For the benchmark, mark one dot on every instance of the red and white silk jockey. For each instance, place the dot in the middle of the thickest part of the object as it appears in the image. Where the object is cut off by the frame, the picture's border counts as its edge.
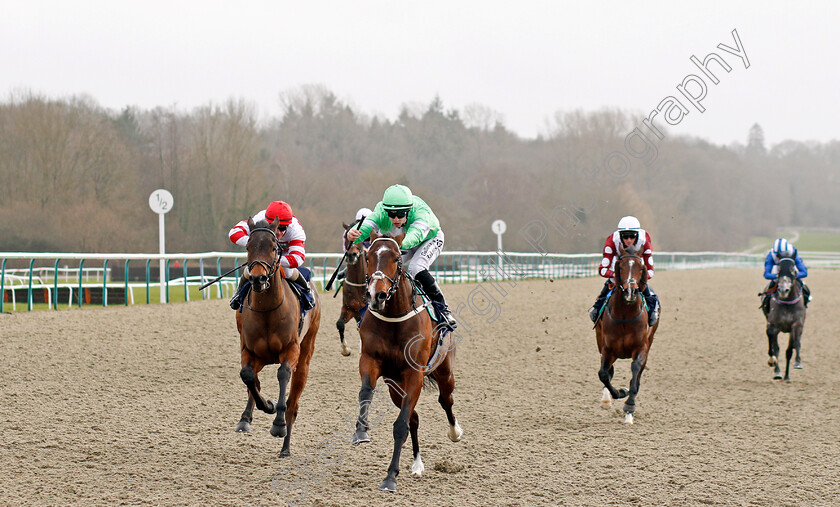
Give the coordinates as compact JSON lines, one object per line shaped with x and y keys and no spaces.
{"x":292,"y":240}
{"x":631,"y":235}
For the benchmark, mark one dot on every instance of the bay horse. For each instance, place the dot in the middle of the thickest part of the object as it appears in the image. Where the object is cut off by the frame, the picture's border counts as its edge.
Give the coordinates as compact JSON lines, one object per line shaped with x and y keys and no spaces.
{"x":401,"y":344}
{"x":786,"y":315}
{"x":271,"y":332}
{"x":622,"y":332}
{"x":353,"y":288}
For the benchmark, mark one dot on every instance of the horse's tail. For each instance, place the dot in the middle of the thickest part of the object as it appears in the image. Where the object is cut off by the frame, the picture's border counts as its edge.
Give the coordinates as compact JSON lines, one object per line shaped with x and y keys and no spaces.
{"x":429,"y":382}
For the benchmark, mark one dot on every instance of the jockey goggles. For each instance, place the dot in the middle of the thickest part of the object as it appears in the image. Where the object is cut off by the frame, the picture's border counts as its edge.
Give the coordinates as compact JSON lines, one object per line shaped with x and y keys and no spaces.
{"x":397,"y":213}
{"x":628,"y":234}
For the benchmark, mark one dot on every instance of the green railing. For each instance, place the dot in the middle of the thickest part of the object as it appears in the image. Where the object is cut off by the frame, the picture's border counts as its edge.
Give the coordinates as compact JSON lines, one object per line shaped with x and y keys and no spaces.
{"x":91,"y":280}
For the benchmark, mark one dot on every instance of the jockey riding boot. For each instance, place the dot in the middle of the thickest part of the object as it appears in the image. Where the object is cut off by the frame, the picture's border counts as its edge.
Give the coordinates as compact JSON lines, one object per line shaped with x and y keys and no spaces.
{"x":241,"y":292}
{"x":806,"y":292}
{"x":301,"y":282}
{"x":652,"y":301}
{"x":432,"y":289}
{"x":767,"y":296}
{"x":599,"y":302}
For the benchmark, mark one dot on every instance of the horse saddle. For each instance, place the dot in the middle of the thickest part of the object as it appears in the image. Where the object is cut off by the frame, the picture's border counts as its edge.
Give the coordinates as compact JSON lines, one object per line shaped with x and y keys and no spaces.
{"x":305,"y":303}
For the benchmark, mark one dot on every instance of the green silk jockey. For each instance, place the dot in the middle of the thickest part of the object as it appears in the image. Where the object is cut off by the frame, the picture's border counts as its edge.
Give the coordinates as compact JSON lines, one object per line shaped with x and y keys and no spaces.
{"x":398,"y":210}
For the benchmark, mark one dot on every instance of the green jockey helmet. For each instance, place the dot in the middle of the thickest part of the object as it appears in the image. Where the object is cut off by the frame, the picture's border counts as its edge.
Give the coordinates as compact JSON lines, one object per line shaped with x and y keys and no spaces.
{"x":397,"y":197}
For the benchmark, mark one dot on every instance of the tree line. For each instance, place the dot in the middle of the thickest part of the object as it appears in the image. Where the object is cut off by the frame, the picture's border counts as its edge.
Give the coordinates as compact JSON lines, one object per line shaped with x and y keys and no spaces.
{"x":75,"y":177}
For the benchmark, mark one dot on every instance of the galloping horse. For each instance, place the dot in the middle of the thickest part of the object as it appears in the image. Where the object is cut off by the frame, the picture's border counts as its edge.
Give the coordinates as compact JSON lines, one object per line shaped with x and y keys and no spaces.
{"x":271,"y":332}
{"x":353,"y":287}
{"x":401,"y":344}
{"x":787,"y":315}
{"x":623,"y":332}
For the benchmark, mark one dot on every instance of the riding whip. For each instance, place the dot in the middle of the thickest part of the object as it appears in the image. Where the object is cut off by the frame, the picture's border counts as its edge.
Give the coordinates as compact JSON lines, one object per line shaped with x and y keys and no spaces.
{"x":335,"y":273}
{"x":211,"y":282}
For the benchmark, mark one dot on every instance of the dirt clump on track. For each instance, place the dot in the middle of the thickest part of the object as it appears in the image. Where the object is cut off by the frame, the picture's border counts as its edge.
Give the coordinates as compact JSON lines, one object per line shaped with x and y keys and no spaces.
{"x":137,"y":405}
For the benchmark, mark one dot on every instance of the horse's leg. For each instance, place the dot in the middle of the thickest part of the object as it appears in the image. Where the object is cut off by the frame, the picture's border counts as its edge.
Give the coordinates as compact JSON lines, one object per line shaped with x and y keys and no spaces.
{"x":412,"y":382}
{"x":417,"y":466}
{"x":798,"y":328}
{"x":244,"y":425}
{"x":369,"y":370}
{"x":793,"y":344}
{"x":637,"y":367}
{"x":606,"y":399}
{"x":278,"y":427}
{"x":604,"y":374}
{"x":773,"y":339}
{"x":446,"y":384}
{"x":251,"y":366}
{"x":299,"y":375}
{"x":345,"y":317}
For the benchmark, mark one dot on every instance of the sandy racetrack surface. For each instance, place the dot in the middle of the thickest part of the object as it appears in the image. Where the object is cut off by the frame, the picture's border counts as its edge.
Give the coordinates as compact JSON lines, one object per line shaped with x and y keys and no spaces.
{"x":137,"y":406}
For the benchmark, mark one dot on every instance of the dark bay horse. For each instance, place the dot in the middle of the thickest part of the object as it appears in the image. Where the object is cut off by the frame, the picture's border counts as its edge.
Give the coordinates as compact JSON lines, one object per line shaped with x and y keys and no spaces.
{"x":622,"y":332}
{"x":271,"y":332}
{"x":401,"y":344}
{"x":786,"y":315}
{"x":353,"y":287}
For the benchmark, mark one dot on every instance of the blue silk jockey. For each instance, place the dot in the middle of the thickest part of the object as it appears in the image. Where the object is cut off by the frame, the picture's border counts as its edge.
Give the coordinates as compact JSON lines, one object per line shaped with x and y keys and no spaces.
{"x":423,"y":241}
{"x":782,"y":249}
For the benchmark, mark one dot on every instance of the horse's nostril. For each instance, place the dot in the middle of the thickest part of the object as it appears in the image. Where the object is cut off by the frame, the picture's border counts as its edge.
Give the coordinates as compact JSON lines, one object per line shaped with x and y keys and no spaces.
{"x":381,"y":296}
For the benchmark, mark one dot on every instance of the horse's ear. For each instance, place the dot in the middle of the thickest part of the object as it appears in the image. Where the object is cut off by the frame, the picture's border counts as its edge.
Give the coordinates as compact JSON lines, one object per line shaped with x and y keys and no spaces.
{"x":251,"y":225}
{"x":399,"y":239}
{"x":273,"y":225}
{"x":621,"y":250}
{"x":346,"y":226}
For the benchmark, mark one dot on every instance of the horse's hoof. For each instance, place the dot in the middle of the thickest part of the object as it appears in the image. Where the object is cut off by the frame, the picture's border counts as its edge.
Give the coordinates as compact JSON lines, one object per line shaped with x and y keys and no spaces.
{"x":344,"y":350}
{"x":777,"y":376}
{"x":270,"y":408}
{"x":628,"y":419}
{"x":360,"y":437}
{"x":797,"y":365}
{"x":243,"y":427}
{"x":622,"y":393}
{"x":278,"y":431}
{"x":388,"y":485}
{"x":455,"y":432}
{"x":772,"y":361}
{"x":606,"y":399}
{"x":284,"y":453}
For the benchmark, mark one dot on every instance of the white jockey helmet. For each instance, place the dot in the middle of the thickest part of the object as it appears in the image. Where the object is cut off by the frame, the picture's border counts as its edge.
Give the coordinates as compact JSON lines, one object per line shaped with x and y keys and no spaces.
{"x":628,"y":227}
{"x":781,"y":248}
{"x":363,"y":212}
{"x":629,"y":223}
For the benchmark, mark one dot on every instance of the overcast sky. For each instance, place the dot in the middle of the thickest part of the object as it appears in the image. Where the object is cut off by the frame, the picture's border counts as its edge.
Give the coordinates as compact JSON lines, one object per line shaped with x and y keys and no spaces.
{"x":526,"y":59}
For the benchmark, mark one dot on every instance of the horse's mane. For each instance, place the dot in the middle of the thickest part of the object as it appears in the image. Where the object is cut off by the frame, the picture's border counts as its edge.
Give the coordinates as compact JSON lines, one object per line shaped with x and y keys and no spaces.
{"x":787,"y":267}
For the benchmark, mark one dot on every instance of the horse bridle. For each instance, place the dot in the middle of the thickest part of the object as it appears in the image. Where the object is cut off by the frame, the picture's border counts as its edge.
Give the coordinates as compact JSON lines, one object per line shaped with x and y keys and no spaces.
{"x":634,"y":256}
{"x":272,"y":268}
{"x":379,"y":275}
